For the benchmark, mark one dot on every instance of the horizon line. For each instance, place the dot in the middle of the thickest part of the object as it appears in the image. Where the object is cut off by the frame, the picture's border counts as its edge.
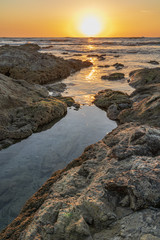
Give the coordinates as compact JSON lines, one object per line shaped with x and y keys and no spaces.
{"x":84,"y":37}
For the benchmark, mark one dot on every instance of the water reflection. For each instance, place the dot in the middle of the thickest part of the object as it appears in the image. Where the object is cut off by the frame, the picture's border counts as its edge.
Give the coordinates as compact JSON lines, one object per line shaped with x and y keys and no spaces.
{"x":25,"y":166}
{"x":89,"y":76}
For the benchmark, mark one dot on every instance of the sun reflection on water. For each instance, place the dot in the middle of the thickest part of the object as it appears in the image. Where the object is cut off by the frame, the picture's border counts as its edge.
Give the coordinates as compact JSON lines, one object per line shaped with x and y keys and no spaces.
{"x":89,"y":76}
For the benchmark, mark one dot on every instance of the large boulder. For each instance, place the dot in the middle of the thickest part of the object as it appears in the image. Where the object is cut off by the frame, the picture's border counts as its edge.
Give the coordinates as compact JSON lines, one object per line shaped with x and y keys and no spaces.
{"x":24,"y":107}
{"x":25,"y":62}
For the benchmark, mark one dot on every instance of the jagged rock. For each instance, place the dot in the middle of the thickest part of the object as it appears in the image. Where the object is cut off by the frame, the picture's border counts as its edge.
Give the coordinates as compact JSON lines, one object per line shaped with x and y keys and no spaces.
{"x":143,"y":77}
{"x":25,"y":62}
{"x":113,"y":76}
{"x":142,"y":106}
{"x":24,"y":107}
{"x":100,"y":195}
{"x":113,"y":102}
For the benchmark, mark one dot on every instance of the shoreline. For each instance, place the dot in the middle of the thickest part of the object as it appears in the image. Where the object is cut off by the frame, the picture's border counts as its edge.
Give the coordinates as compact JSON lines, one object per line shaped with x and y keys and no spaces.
{"x":108,"y":187}
{"x":26,"y":106}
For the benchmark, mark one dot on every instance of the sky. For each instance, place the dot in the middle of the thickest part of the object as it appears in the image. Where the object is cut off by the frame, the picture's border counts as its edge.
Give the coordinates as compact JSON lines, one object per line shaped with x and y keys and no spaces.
{"x":62,"y":18}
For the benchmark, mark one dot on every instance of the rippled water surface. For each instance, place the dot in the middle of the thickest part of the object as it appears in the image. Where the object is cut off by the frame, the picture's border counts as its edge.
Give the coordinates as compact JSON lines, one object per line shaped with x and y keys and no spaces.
{"x":25,"y":166}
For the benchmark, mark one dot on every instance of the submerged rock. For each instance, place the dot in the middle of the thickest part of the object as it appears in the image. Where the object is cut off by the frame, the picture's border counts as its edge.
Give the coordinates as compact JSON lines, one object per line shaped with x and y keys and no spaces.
{"x":118,"y":66}
{"x":154,"y":62}
{"x":104,"y":66}
{"x":25,"y":62}
{"x":113,"y":76}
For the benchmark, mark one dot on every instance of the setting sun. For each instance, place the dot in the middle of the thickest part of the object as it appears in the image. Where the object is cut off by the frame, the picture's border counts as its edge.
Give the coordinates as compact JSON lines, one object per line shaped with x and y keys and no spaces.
{"x":90,"y":26}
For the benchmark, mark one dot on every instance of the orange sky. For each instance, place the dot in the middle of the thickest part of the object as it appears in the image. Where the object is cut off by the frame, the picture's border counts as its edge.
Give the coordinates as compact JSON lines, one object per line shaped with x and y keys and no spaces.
{"x":61,"y":18}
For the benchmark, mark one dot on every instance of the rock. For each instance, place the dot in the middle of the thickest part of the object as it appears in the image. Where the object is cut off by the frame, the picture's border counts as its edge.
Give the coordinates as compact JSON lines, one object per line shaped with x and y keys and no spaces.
{"x":113,"y":112}
{"x":146,"y":98}
{"x":118,"y":66}
{"x":113,"y":76}
{"x":58,"y":87}
{"x":154,"y":62}
{"x":106,"y":98}
{"x":24,"y":107}
{"x":110,"y":192}
{"x":65,"y":53}
{"x":77,"y":54}
{"x":25,"y":62}
{"x":104,"y":66}
{"x":143,"y":105}
{"x":143,"y":77}
{"x":116,"y":56}
{"x":99,"y":57}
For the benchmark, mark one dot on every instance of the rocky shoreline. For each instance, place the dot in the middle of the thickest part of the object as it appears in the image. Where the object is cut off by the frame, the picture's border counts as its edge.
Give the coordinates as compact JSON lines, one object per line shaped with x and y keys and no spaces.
{"x":111,"y":192}
{"x":24,"y":104}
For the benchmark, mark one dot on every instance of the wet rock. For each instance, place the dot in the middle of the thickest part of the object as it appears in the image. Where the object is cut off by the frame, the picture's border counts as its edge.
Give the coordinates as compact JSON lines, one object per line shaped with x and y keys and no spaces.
{"x":113,"y":76}
{"x":143,"y":77}
{"x":144,"y":101}
{"x":110,"y":192}
{"x":118,"y":66}
{"x":154,"y":62}
{"x":99,"y":57}
{"x":104,"y":66}
{"x":58,"y":87}
{"x":25,"y":62}
{"x":113,"y":99}
{"x":77,"y":54}
{"x":23,"y":108}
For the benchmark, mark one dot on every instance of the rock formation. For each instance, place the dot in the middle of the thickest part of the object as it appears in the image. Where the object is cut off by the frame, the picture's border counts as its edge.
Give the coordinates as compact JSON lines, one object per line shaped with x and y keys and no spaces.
{"x":24,"y":107}
{"x":113,"y":76}
{"x":111,"y":192}
{"x":25,"y":62}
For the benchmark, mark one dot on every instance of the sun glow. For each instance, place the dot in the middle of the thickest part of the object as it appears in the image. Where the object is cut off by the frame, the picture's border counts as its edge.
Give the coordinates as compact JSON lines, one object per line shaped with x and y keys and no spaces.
{"x":90,"y":25}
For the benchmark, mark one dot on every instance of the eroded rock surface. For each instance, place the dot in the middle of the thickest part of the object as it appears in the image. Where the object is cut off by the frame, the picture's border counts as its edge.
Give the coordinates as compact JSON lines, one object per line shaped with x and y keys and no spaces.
{"x":111,"y":192}
{"x":24,"y":107}
{"x":142,"y":106}
{"x":25,"y":62}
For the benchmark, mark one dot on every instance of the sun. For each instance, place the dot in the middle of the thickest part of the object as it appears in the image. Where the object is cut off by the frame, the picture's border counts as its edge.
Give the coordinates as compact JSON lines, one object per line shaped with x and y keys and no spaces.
{"x":90,"y":26}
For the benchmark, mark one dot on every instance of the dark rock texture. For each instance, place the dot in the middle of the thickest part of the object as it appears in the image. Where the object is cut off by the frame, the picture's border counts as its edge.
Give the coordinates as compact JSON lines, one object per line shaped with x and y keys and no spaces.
{"x":142,"y":106}
{"x":24,"y":107}
{"x":113,"y":76}
{"x":113,"y":102}
{"x":118,"y":66}
{"x":25,"y":62}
